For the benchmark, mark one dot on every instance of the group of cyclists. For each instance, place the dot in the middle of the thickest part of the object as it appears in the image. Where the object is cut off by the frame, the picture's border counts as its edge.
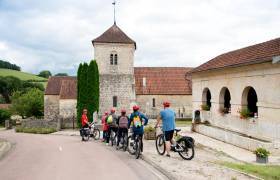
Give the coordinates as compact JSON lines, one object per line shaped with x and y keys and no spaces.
{"x":136,"y":121}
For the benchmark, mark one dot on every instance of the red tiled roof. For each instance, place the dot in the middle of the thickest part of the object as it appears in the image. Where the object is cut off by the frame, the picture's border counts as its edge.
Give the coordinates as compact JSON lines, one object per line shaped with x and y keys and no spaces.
{"x":68,"y":89}
{"x":258,"y":53}
{"x":162,"y":81}
{"x":114,"y":35}
{"x":62,"y":85}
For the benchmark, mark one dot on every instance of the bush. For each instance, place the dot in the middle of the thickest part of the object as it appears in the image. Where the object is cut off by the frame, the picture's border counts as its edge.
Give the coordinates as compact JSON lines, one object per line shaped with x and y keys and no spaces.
{"x":28,"y":104}
{"x":149,"y":129}
{"x":261,"y":152}
{"x":36,"y":130}
{"x":4,"y":115}
{"x":205,"y":107}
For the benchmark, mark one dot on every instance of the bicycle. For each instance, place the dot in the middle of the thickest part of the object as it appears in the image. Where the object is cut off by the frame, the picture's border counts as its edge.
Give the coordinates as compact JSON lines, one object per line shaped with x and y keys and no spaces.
{"x":94,"y":131}
{"x":135,"y":147}
{"x":184,"y":145}
{"x":113,"y":137}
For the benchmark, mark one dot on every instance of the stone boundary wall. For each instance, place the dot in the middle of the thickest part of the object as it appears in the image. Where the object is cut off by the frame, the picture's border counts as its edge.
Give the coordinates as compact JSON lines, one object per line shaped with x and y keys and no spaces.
{"x":39,"y":123}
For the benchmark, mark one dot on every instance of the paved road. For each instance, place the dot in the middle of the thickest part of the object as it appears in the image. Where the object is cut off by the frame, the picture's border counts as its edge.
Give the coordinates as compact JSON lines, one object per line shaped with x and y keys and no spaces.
{"x":57,"y":157}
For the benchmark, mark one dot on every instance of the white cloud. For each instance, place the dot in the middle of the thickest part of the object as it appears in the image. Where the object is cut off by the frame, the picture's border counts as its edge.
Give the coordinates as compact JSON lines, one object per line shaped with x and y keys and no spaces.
{"x":57,"y":34}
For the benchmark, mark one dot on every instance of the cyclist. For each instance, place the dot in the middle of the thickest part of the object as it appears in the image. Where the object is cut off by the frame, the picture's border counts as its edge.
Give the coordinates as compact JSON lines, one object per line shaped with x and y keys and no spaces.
{"x":167,"y":115}
{"x":122,"y":123}
{"x":137,"y":120}
{"x":85,"y":123}
{"x":111,"y":120}
{"x":105,"y":126}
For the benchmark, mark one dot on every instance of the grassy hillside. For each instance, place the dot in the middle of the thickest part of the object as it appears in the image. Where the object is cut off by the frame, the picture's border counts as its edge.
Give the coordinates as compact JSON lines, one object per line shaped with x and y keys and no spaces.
{"x":21,"y":75}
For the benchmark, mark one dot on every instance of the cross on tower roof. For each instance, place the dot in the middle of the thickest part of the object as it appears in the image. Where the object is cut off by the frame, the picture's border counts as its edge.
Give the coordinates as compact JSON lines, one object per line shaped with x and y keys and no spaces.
{"x":114,"y":3}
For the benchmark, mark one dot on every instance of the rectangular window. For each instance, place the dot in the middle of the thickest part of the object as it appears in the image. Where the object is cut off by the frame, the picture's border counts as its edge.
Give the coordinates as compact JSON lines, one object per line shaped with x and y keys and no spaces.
{"x":154,"y":102}
{"x":115,"y":101}
{"x":116,"y":59}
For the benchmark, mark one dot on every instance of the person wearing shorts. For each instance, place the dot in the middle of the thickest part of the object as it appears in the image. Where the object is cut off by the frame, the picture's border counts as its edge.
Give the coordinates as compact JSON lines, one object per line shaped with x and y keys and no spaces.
{"x":167,"y":115}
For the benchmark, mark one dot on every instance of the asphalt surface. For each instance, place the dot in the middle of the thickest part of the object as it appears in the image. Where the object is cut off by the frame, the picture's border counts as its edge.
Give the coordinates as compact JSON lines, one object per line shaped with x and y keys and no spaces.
{"x":56,"y":157}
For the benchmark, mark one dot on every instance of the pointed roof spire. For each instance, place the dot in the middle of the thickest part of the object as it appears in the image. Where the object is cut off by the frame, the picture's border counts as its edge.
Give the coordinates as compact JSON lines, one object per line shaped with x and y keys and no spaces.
{"x":114,"y":35}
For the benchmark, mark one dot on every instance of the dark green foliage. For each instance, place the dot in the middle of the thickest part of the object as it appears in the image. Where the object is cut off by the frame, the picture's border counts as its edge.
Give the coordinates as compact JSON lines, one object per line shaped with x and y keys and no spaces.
{"x":61,"y":74}
{"x":45,"y":74}
{"x":88,"y":90}
{"x":4,"y":115}
{"x":7,"y":65}
{"x":10,"y":84}
{"x":28,"y":104}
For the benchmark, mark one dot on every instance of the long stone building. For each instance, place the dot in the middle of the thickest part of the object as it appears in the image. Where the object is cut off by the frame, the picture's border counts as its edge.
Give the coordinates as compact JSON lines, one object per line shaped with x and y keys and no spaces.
{"x":121,"y":84}
{"x":245,"y":80}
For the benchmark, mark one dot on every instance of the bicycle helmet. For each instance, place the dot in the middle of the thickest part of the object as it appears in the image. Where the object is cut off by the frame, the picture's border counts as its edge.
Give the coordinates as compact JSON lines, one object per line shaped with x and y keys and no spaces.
{"x":113,"y":110}
{"x":166,"y":104}
{"x":123,"y":111}
{"x":135,"y":108}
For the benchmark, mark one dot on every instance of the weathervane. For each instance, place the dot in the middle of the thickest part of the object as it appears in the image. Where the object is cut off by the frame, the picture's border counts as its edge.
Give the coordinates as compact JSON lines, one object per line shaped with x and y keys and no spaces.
{"x":114,"y":3}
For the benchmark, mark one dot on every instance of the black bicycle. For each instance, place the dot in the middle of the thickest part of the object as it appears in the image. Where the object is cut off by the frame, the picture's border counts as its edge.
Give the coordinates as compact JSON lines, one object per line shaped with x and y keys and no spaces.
{"x":135,"y":147}
{"x":184,"y":145}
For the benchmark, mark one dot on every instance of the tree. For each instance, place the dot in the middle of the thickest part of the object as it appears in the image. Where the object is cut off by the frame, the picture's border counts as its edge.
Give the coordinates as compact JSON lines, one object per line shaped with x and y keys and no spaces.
{"x":28,"y":104}
{"x":45,"y":74}
{"x":91,"y":92}
{"x":79,"y":106}
{"x":8,"y":85}
{"x":4,"y":115}
{"x":7,"y":65}
{"x":61,"y":74}
{"x":96,"y":86}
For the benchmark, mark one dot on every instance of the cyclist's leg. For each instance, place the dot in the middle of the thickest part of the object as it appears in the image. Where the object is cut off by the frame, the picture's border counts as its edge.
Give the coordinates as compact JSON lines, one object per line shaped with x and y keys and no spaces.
{"x":108,"y":135}
{"x":141,"y":139}
{"x":168,"y":137}
{"x":119,"y":136}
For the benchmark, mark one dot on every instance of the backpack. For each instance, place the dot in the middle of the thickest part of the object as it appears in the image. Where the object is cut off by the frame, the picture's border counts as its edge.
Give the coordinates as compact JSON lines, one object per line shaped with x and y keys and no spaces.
{"x":110,"y":119}
{"x":123,"y":122}
{"x":137,"y":122}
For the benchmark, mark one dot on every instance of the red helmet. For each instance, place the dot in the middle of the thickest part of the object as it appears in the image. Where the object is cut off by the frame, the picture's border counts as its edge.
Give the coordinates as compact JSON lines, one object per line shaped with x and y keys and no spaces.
{"x":123,"y":111}
{"x":106,"y":113}
{"x":135,"y":108}
{"x":113,"y":110}
{"x":166,"y":104}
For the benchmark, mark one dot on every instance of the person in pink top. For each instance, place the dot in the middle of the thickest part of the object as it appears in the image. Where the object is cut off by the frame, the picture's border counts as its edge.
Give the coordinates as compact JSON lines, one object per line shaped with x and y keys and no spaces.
{"x":105,"y":126}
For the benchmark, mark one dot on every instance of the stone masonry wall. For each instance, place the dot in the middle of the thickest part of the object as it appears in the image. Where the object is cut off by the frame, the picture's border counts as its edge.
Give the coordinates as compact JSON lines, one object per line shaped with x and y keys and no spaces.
{"x":51,"y":106}
{"x":116,"y":85}
{"x":181,"y":104}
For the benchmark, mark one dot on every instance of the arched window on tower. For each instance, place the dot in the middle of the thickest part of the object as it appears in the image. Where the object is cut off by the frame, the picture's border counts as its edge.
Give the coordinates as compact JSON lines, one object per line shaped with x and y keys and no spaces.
{"x":249,"y":101}
{"x":206,"y":99}
{"x":116,"y":59}
{"x":111,"y":59}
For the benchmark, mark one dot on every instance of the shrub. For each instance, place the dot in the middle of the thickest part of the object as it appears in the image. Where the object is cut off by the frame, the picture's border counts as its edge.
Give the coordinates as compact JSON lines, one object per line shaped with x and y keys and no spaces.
{"x":149,"y":129}
{"x":28,"y":104}
{"x":35,"y":130}
{"x":261,"y":152}
{"x":205,"y":107}
{"x":4,"y":115}
{"x":245,"y":113}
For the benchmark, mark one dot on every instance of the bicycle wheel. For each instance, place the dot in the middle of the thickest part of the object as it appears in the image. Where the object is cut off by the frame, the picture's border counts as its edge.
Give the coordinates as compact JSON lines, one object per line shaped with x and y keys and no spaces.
{"x":187,"y":151}
{"x":160,"y":144}
{"x":130,"y":146}
{"x":138,"y":146}
{"x":125,"y":142}
{"x":96,"y":134}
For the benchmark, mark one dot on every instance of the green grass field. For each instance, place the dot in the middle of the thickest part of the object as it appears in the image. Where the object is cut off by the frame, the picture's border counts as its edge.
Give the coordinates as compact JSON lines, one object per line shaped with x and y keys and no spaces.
{"x":183,"y":123}
{"x":21,"y":75}
{"x":268,"y":172}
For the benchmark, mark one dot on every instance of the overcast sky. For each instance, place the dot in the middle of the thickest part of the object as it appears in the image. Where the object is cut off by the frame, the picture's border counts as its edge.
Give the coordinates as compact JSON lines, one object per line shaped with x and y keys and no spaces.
{"x":56,"y":34}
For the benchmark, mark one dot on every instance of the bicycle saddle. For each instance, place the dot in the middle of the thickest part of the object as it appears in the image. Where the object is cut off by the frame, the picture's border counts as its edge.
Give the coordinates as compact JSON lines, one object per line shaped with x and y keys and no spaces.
{"x":177,"y":130}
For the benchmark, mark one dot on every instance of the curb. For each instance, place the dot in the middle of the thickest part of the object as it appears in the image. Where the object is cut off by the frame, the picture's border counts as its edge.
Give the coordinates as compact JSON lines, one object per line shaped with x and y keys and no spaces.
{"x":5,"y":147}
{"x":157,"y":167}
{"x":246,"y":174}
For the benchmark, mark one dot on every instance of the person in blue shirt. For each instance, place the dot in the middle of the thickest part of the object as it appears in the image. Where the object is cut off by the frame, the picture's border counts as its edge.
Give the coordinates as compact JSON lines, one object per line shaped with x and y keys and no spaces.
{"x":168,"y":125}
{"x":137,"y":120}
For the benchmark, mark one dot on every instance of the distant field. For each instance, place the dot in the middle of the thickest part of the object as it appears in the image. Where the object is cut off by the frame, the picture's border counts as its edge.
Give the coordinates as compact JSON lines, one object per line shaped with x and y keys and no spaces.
{"x":21,"y":75}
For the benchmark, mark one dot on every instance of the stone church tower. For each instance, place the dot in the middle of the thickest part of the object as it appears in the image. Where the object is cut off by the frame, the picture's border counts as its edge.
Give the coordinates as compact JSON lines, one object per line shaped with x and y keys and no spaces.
{"x":114,"y":53}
